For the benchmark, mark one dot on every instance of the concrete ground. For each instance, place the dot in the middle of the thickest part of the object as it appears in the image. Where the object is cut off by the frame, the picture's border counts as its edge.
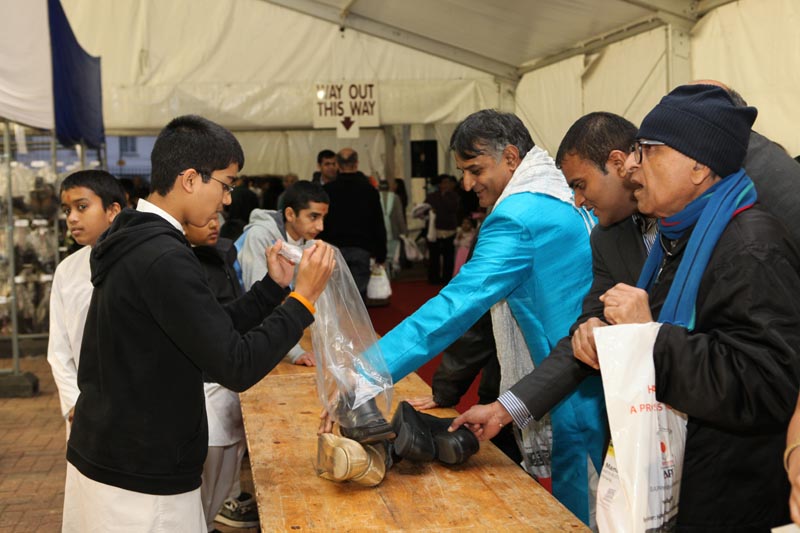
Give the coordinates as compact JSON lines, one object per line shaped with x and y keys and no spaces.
{"x":32,"y":457}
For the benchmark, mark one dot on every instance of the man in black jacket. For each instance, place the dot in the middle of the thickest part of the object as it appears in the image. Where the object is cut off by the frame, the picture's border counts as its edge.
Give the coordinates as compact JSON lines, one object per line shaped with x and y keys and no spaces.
{"x":355,"y":219}
{"x":140,"y":433}
{"x":727,"y":351}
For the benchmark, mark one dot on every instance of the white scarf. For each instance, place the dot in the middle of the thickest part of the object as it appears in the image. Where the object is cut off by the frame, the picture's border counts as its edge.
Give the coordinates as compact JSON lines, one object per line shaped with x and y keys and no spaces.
{"x":537,"y":173}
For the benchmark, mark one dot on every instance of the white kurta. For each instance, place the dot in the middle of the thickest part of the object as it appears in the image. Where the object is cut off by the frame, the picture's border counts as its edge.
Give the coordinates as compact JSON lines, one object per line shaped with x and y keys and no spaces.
{"x":69,"y":304}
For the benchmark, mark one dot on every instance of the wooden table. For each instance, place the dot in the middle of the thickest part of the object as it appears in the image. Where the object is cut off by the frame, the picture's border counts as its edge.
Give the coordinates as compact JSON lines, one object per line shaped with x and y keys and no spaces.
{"x":487,"y":493}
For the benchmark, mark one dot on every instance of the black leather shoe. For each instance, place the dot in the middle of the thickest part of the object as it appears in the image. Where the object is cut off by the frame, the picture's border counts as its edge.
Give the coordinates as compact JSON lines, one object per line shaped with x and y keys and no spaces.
{"x":365,"y":424}
{"x":414,"y":439}
{"x":451,"y":448}
{"x":424,"y":437}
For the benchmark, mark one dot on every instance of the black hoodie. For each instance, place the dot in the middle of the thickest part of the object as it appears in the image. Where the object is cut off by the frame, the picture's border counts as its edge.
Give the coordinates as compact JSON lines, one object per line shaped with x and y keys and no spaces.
{"x":153,"y":328}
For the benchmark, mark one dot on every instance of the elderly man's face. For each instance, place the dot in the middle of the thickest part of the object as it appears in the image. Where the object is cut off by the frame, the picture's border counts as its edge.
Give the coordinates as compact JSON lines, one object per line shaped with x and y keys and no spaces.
{"x":665,"y":181}
{"x":488,"y":175}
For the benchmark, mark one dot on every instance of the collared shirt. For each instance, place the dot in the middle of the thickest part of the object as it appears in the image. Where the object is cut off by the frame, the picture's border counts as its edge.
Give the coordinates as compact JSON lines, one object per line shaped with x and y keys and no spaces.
{"x":146,"y":207}
{"x":518,"y":410}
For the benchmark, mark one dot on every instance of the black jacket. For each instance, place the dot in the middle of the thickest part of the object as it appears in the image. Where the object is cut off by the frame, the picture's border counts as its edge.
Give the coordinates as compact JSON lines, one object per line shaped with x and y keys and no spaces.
{"x":153,"y":327}
{"x":736,"y":375}
{"x":355,"y":216}
{"x":217,"y":262}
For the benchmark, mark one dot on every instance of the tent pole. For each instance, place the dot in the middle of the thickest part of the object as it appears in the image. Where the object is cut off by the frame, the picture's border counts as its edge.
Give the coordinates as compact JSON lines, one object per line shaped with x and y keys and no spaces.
{"x":10,"y":247}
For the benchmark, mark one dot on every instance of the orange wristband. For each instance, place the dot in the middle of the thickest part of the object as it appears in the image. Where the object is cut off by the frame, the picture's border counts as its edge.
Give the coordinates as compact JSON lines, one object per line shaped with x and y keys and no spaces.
{"x":303,"y":300}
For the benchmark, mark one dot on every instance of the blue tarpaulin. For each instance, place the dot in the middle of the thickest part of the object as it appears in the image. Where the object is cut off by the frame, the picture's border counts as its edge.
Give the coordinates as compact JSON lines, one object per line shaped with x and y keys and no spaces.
{"x":77,"y":91}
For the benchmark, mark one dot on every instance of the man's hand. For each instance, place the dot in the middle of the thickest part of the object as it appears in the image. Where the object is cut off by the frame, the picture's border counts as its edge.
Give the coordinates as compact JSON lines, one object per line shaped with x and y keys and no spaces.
{"x":325,"y":422}
{"x":626,"y":305}
{"x":794,"y":479}
{"x":306,"y":359}
{"x":583,"y":346}
{"x":315,"y":269}
{"x":422,"y":403}
{"x":485,"y":421}
{"x":280,"y":269}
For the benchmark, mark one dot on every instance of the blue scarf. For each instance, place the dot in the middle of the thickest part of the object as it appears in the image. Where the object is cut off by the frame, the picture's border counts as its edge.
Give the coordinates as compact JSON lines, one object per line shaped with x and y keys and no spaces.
{"x":709,"y":214}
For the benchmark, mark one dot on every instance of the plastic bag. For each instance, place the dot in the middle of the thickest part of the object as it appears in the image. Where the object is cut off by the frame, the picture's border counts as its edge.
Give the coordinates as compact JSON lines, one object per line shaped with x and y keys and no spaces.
{"x":348,"y":373}
{"x":641,"y":477}
{"x":411,"y":249}
{"x":379,"y":287}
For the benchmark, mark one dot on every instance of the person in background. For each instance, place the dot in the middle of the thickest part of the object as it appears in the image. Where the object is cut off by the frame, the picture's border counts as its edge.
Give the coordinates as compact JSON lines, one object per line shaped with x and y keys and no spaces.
{"x":395,"y":223}
{"x":90,"y":200}
{"x":221,"y":489}
{"x":355,"y":220}
{"x":288,"y":180}
{"x":445,"y":206}
{"x":301,"y":221}
{"x":465,"y":236}
{"x":326,"y":167}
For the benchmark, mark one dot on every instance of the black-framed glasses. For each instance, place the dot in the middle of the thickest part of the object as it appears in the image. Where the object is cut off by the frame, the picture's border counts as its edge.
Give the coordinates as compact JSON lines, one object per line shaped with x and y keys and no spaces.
{"x":225,"y":187}
{"x":636,"y":148}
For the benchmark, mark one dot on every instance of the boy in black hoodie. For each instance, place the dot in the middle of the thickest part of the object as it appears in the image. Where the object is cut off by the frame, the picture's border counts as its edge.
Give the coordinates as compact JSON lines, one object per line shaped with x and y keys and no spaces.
{"x":140,"y":435}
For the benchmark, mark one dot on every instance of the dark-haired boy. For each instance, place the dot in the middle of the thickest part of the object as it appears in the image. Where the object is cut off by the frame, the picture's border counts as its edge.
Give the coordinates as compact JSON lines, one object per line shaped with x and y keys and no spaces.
{"x":90,"y":199}
{"x":301,"y":220}
{"x":140,"y":434}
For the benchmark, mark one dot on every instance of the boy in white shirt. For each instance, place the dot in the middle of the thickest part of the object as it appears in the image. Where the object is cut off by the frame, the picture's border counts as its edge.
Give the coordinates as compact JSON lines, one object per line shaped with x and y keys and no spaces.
{"x":90,"y":199}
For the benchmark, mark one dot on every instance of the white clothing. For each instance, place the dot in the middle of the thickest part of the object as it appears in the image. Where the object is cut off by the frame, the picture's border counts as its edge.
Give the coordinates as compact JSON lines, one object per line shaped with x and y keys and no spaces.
{"x":220,"y":478}
{"x":69,"y":304}
{"x":225,"y":425}
{"x":144,"y":206}
{"x":92,"y":507}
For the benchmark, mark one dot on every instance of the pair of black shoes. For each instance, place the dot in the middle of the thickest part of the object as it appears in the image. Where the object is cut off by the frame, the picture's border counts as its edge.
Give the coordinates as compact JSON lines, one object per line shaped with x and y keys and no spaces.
{"x":423,"y":437}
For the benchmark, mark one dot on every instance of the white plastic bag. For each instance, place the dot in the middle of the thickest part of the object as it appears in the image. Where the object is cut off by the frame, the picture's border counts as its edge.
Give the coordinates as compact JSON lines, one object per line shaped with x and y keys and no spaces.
{"x":641,"y":477}
{"x":379,"y":287}
{"x":411,"y":249}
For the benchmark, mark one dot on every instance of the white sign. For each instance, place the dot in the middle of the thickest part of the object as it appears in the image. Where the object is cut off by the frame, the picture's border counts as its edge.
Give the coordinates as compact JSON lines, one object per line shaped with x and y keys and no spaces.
{"x":346,"y":106}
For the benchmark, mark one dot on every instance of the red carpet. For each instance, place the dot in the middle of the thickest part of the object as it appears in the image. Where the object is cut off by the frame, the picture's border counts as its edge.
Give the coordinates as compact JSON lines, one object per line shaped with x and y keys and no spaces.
{"x":407,"y":297}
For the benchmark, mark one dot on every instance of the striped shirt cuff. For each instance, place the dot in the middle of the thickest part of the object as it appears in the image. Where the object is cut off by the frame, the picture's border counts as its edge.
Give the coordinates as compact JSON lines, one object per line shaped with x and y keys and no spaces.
{"x":518,"y":411}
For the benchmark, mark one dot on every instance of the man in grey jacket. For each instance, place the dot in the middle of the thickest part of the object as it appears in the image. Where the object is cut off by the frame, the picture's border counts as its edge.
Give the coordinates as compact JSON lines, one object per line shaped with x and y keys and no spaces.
{"x":302,"y":219}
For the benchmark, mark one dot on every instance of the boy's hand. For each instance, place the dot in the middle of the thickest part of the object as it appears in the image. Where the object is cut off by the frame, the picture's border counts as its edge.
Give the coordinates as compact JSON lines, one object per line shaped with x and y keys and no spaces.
{"x":307,"y":359}
{"x":315,"y":269}
{"x":280,"y":269}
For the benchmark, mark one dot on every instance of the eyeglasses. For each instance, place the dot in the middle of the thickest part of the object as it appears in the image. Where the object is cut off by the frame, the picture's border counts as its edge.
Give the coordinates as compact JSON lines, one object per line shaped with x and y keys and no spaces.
{"x":636,"y":148}
{"x":225,"y":187}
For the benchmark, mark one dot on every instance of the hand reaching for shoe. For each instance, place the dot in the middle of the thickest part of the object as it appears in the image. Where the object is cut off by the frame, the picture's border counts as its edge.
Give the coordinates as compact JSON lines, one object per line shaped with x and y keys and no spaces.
{"x":421,"y":403}
{"x":485,"y":421}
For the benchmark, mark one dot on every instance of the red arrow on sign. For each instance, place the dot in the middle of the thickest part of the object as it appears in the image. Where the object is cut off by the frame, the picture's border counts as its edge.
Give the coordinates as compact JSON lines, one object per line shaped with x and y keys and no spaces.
{"x":347,"y":122}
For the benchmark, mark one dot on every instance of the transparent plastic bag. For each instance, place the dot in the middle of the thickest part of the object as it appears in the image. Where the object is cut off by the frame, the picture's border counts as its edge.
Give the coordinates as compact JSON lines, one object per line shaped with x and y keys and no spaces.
{"x":351,"y":369}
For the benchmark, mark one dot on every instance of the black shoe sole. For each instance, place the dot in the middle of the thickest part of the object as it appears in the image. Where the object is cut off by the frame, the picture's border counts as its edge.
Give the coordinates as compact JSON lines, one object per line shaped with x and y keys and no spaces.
{"x":414,"y":440}
{"x":451,"y":449}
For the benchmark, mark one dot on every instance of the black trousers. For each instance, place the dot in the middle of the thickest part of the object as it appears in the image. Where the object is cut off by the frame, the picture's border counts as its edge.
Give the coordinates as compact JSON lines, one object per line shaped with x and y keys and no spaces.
{"x":441,"y":259}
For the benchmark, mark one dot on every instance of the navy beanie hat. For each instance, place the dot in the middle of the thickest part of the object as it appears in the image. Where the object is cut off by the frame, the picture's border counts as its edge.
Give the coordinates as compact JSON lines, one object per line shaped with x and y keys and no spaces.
{"x":701,"y":122}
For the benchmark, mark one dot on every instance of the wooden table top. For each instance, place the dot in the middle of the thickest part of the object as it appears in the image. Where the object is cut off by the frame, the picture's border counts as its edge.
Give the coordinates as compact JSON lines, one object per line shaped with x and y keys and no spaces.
{"x":487,"y":493}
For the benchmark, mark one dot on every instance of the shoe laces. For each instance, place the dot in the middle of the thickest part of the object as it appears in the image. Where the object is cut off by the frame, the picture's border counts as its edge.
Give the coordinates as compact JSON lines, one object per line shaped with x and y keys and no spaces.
{"x":235,"y":507}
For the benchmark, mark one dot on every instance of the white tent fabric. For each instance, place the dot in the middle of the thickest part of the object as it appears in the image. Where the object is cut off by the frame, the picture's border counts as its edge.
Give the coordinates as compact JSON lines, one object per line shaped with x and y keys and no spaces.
{"x":549,"y":100}
{"x":26,"y":78}
{"x":754,"y":46}
{"x":251,"y":65}
{"x":627,"y":78}
{"x":278,"y":152}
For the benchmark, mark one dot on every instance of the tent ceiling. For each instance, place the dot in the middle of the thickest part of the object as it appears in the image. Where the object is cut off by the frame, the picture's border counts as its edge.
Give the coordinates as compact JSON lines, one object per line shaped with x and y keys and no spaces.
{"x":503,"y":37}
